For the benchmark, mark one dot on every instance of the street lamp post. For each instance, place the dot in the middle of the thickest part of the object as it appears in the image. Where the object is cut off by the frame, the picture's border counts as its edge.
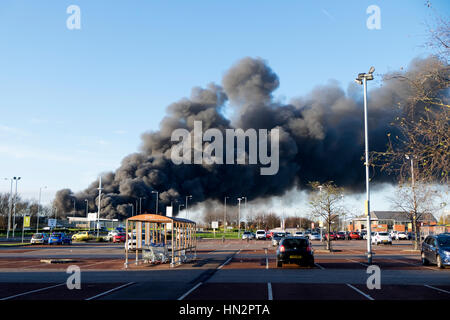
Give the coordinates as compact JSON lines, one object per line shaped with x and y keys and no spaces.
{"x":239,"y":217}
{"x":414,"y":198}
{"x":225,"y":216}
{"x":157,"y":198}
{"x":321,"y":227}
{"x":15,"y":202}
{"x":87,"y":213}
{"x":140,"y":204}
{"x":39,"y":209}
{"x":362,"y":79}
{"x":99,"y":204}
{"x":186,"y":207}
{"x":245,"y":207}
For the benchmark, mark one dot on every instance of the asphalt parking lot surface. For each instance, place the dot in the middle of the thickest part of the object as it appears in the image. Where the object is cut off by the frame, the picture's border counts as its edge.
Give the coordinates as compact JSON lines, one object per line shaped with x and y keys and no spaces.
{"x":233,"y":270}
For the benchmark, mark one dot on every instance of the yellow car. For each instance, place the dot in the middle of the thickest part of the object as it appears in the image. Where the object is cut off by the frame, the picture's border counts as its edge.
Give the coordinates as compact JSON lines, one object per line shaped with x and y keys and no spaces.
{"x":82,"y":236}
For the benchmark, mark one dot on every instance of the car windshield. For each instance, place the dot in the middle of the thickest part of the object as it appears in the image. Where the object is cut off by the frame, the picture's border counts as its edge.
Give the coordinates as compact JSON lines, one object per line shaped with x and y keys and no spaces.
{"x":314,"y":234}
{"x":56,"y":235}
{"x":444,"y":241}
{"x":382,"y":233}
{"x":295,"y":243}
{"x":246,"y":232}
{"x":260,"y":232}
{"x":38,"y":235}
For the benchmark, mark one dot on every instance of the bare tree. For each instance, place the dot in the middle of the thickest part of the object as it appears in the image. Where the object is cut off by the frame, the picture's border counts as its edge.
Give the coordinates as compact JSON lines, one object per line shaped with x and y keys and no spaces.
{"x":326,"y":203}
{"x":417,"y":201}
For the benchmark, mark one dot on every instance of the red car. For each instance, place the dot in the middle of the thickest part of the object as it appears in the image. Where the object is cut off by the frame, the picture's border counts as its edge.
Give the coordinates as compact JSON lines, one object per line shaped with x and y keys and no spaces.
{"x":341,"y":236}
{"x":269,"y":234}
{"x":120,"y":237}
{"x":332,"y":236}
{"x":354,"y":235}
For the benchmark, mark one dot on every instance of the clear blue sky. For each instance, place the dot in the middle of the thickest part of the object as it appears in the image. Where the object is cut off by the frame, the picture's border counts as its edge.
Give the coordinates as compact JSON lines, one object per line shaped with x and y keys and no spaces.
{"x":75,"y":102}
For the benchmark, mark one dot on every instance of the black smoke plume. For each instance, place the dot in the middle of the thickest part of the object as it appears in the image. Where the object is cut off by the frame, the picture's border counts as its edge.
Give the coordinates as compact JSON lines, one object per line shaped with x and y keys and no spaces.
{"x":321,"y":139}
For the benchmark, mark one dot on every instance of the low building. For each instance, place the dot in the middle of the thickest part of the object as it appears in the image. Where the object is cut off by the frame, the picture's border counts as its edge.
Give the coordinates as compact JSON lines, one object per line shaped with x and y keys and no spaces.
{"x":389,"y":220}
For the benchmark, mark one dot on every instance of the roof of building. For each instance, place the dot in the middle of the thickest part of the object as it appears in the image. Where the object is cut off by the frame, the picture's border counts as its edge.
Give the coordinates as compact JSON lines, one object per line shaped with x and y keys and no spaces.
{"x":399,"y":216}
{"x":155,"y":218}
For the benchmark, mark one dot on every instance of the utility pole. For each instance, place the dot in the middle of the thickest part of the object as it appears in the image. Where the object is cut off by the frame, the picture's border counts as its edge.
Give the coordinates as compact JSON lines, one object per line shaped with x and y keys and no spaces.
{"x":39,"y":209}
{"x":99,"y":204}
{"x":10,"y":208}
{"x":157,"y":198}
{"x":413,"y":185}
{"x":15,"y":204}
{"x":186,"y":207}
{"x":225,"y":217}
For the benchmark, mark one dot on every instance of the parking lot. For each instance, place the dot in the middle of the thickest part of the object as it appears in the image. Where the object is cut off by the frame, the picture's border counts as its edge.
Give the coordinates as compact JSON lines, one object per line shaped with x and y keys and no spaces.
{"x":232,"y":270}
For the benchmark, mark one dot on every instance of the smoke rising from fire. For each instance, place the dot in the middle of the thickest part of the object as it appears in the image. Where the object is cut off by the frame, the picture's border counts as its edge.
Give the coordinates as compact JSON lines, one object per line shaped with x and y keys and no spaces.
{"x":321,"y":139}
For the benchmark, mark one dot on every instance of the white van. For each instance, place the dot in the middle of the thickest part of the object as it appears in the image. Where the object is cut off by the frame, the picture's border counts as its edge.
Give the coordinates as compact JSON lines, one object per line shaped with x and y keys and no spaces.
{"x":260,"y":235}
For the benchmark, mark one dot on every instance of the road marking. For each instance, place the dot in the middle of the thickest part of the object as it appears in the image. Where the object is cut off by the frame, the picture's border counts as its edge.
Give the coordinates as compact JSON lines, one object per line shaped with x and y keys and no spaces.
{"x":359,"y":291}
{"x":366,"y":265}
{"x":32,"y":291}
{"x":192,"y":289}
{"x":411,"y":264}
{"x":269,"y":291}
{"x":318,"y":265}
{"x":438,"y":289}
{"x":109,"y":291}
{"x":225,"y":263}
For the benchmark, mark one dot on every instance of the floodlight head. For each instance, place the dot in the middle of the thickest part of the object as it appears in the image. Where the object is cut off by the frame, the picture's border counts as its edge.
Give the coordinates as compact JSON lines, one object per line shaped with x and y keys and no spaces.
{"x":369,"y":76}
{"x":358,"y":81}
{"x":407,"y":156}
{"x":371,"y":70}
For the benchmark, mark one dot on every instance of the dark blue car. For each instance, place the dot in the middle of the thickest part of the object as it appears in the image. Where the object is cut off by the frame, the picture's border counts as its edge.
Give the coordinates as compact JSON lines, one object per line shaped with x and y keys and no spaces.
{"x":436,"y":249}
{"x":59,"y":238}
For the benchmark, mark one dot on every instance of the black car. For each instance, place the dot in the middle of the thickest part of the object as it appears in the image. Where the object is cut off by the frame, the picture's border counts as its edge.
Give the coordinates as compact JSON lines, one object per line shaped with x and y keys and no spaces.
{"x":436,"y":249}
{"x":295,"y":250}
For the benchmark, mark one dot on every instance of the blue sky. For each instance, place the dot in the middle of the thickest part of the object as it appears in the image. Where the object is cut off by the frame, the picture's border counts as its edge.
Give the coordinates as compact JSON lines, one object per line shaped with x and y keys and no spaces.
{"x":75,"y":102}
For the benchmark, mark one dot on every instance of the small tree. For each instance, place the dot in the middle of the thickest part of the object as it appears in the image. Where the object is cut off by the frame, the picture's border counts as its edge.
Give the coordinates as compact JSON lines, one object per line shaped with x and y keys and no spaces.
{"x":325,"y":203}
{"x":417,"y":201}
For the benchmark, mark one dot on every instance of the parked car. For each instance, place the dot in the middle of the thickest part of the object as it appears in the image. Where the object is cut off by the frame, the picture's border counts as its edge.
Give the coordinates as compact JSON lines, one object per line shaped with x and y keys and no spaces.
{"x":277,"y":237}
{"x":341,"y":235}
{"x":82,"y":236}
{"x":59,"y":238}
{"x":39,"y":238}
{"x":354,"y":236}
{"x":300,"y":234}
{"x":269,"y":234}
{"x":314,"y":236}
{"x":332,"y":236}
{"x":381,"y":238}
{"x":119,"y":237}
{"x":295,"y":250}
{"x":111,"y":234}
{"x":260,"y":235}
{"x":436,"y":249}
{"x":401,"y":236}
{"x":247,"y":235}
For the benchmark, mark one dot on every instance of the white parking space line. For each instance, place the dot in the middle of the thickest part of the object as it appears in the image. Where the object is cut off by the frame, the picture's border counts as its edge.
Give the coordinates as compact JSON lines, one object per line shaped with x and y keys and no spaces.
{"x":225,"y":263}
{"x":318,"y":265}
{"x":32,"y":291}
{"x":359,"y":291}
{"x":438,"y":289}
{"x":366,"y":265}
{"x":105,"y":261}
{"x":411,"y":264}
{"x":192,"y":289}
{"x":269,"y":291}
{"x":109,"y":291}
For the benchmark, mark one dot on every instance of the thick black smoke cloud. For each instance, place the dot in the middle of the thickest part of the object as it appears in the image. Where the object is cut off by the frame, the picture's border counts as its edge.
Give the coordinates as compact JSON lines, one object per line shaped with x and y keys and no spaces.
{"x":321,"y":139}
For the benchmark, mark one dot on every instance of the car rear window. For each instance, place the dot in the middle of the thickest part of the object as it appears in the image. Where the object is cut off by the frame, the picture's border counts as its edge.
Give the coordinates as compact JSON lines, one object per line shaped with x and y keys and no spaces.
{"x":298,"y":243}
{"x":444,"y":241}
{"x":383,"y":233}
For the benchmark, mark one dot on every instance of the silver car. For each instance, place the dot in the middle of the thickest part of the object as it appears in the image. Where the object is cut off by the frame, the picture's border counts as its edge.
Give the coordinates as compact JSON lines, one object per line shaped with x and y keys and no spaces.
{"x":277,"y":237}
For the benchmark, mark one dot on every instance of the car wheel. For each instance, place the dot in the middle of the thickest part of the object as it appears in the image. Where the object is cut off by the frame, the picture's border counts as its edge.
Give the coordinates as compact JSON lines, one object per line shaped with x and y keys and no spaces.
{"x":439,"y":262}
{"x":279,"y":264}
{"x":425,"y":262}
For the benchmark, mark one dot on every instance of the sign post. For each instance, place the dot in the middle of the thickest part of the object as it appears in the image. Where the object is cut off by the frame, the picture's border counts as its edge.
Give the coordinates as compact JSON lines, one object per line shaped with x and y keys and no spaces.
{"x":215,"y":225}
{"x":25,"y":224}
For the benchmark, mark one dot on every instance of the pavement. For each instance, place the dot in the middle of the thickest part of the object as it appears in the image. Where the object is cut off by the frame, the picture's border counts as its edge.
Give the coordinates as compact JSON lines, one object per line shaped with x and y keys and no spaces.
{"x":234,"y":270}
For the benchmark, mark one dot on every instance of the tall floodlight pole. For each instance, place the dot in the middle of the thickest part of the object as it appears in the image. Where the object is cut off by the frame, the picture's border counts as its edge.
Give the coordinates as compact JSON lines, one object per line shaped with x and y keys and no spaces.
{"x":10,"y":208}
{"x":15,"y":201}
{"x":225,"y":216}
{"x":321,"y":228}
{"x":245,"y":207}
{"x":239,"y":217}
{"x":186,"y":207}
{"x":157,"y":198}
{"x":140,"y":204}
{"x":362,"y":79}
{"x":99,"y":204}
{"x":74,"y":206}
{"x":87,"y":212}
{"x":414,"y":198}
{"x":39,"y":209}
